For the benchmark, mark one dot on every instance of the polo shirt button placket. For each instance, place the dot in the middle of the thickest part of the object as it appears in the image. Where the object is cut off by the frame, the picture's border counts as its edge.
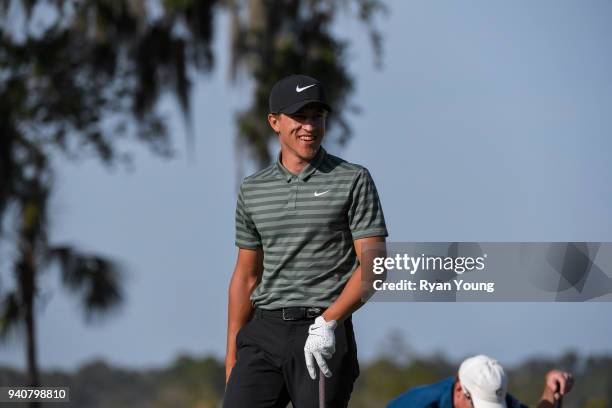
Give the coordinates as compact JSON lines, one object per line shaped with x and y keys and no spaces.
{"x":293,"y":195}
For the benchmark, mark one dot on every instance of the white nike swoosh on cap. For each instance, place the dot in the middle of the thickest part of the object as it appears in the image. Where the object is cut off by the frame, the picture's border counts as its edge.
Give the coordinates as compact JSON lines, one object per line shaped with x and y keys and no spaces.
{"x":320,"y":194}
{"x":298,"y":89}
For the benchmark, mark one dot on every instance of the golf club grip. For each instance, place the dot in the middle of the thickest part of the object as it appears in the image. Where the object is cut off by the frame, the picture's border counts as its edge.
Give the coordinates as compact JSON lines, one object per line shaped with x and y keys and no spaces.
{"x":321,"y":390}
{"x":558,"y":403}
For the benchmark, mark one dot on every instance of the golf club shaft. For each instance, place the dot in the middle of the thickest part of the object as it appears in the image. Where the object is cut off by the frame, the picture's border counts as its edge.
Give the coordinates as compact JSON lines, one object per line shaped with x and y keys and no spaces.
{"x":321,"y":390}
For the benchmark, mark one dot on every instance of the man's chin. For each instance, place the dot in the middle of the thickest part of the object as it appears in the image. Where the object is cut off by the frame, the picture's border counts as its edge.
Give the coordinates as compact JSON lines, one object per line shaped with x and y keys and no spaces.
{"x":309,"y":154}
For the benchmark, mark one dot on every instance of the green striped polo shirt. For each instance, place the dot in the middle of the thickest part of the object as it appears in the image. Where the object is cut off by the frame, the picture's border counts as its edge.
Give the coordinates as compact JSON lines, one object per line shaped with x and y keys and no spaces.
{"x":306,"y":224}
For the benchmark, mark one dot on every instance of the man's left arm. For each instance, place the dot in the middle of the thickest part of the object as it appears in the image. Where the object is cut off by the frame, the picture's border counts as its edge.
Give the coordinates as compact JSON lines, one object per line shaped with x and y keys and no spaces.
{"x":351,"y":297}
{"x":320,"y":343}
{"x":367,"y":225}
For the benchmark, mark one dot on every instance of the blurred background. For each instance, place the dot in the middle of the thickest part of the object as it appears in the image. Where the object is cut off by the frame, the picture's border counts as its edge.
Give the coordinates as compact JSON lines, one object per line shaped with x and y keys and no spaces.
{"x":126,"y":127}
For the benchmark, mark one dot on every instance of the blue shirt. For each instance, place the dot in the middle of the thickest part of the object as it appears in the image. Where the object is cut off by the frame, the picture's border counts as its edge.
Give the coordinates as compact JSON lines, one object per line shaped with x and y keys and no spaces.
{"x":438,"y":395}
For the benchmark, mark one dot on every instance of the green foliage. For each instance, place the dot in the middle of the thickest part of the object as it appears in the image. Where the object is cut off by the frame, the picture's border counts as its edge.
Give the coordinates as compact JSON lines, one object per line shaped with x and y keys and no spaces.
{"x":94,"y":74}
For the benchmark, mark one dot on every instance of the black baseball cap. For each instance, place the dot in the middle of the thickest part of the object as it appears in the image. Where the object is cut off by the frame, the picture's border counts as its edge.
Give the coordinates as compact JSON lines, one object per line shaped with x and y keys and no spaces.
{"x":292,"y":93}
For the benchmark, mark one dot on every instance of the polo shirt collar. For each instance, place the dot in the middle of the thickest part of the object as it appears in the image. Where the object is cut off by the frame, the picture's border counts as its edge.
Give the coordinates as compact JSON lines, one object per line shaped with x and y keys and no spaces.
{"x":310,"y":168}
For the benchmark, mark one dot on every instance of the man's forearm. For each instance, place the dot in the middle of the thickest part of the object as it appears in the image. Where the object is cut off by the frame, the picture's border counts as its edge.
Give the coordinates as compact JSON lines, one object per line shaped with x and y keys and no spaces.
{"x":239,"y":304}
{"x":239,"y":312}
{"x":352,"y":296}
{"x":244,"y":281}
{"x":547,"y":400}
{"x":348,"y":301}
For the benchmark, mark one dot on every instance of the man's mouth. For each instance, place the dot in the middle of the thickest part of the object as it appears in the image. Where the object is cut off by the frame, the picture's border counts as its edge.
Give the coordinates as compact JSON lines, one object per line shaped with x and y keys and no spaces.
{"x":307,"y":138}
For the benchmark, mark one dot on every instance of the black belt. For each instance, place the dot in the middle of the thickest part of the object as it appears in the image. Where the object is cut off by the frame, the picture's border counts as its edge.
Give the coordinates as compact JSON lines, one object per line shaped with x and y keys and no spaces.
{"x":292,"y":313}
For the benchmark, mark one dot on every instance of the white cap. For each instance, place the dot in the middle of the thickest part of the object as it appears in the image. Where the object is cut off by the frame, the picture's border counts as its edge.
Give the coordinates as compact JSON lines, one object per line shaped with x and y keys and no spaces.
{"x":485,"y":381}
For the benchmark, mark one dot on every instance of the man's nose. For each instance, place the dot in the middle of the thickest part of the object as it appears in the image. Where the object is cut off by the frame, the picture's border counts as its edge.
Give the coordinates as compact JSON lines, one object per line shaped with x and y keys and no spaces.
{"x":309,"y":122}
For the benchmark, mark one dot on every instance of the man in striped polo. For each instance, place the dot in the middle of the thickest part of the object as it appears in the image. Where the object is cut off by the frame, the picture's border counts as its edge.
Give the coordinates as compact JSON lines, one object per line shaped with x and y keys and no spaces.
{"x":300,"y":226}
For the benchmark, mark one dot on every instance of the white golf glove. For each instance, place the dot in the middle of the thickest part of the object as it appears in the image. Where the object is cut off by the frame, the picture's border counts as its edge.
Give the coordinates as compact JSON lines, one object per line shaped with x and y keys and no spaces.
{"x":320,"y":344}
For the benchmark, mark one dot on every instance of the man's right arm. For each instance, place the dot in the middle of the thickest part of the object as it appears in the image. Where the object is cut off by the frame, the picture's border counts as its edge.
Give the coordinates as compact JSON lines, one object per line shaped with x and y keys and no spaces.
{"x":246,"y":277}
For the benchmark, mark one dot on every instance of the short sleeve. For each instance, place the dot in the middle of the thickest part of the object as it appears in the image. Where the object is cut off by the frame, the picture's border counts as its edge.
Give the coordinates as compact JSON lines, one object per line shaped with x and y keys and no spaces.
{"x":246,"y":232}
{"x":366,"y":217}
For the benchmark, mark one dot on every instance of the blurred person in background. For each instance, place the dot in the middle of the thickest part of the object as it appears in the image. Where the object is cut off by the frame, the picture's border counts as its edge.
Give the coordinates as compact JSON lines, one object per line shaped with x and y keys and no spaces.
{"x":480,"y":383}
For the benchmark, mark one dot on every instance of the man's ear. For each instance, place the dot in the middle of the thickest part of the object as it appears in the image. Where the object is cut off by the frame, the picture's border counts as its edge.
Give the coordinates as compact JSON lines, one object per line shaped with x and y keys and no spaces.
{"x":458,"y":391}
{"x":273,"y":120}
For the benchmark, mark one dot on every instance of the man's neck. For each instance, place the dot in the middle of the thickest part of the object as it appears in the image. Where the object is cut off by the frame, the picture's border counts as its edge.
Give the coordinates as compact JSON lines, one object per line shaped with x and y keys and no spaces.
{"x":293,"y":163}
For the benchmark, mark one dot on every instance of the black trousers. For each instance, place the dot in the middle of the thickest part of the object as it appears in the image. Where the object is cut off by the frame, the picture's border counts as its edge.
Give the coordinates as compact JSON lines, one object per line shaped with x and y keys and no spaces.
{"x":271,"y":370}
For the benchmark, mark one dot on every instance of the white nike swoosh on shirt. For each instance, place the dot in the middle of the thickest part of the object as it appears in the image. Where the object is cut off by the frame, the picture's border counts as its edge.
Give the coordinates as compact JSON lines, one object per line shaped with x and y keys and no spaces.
{"x":320,"y":194}
{"x":298,"y":89}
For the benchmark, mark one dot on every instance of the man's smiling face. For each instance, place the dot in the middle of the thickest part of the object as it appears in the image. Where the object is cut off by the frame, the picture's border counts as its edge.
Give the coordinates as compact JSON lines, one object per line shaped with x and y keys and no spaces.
{"x":301,"y":133}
